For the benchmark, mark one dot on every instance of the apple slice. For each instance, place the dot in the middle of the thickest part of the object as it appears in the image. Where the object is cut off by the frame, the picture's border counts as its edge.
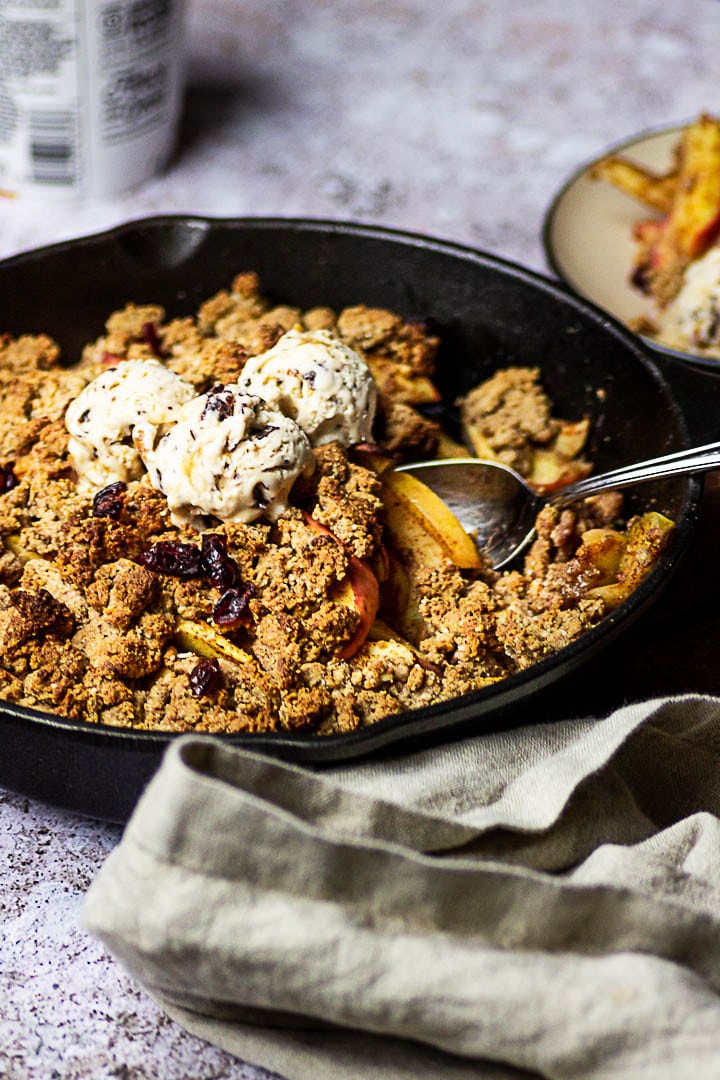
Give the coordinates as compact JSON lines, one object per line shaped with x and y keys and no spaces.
{"x":647,"y":536}
{"x":571,"y":438}
{"x":359,"y":590}
{"x":400,"y":602}
{"x":603,"y":549}
{"x":205,"y":640}
{"x":421,"y":527}
{"x":551,"y":471}
{"x":401,"y":382}
{"x":554,"y":465}
{"x":448,"y":448}
{"x":381,"y":631}
{"x":479,"y":442}
{"x":379,"y":563}
{"x":656,"y":191}
{"x":396,"y":586}
{"x":14,"y":544}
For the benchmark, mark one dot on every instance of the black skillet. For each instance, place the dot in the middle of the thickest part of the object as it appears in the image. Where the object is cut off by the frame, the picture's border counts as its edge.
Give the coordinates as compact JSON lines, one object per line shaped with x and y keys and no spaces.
{"x":488,"y":313}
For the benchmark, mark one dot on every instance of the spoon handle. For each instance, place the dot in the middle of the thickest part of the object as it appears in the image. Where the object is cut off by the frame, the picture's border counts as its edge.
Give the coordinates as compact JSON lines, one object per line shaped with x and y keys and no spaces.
{"x":696,"y":459}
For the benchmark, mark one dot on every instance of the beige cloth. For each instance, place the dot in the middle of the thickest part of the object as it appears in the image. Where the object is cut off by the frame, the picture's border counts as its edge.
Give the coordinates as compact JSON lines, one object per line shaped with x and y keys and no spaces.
{"x":538,"y":901}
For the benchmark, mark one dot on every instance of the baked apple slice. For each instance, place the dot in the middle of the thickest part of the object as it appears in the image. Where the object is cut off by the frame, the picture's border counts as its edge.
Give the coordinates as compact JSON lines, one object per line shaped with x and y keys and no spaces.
{"x":13,"y":542}
{"x":399,"y":604}
{"x":401,"y":382}
{"x":449,"y":448}
{"x":551,"y":471}
{"x":600,"y":554}
{"x":421,"y":527}
{"x":381,"y":631}
{"x":359,"y":590}
{"x":204,"y":640}
{"x":646,"y":537}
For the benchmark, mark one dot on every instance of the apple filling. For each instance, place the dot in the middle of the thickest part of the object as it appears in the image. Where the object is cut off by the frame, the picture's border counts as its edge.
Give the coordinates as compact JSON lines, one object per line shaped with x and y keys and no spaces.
{"x":357,"y":595}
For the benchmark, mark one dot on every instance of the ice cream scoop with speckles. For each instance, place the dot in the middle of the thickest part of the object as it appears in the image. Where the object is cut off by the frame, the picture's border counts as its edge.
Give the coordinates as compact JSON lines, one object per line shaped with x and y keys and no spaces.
{"x":226,"y":456}
{"x":691,"y":322}
{"x":103,"y":417}
{"x":320,"y":382}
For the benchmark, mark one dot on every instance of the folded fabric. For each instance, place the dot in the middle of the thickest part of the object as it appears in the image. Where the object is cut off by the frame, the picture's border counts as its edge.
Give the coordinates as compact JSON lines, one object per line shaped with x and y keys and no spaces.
{"x":537,"y":901}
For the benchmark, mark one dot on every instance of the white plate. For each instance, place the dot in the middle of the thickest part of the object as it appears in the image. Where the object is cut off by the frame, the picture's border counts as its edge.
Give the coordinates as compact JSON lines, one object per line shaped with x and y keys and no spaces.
{"x":587,"y":234}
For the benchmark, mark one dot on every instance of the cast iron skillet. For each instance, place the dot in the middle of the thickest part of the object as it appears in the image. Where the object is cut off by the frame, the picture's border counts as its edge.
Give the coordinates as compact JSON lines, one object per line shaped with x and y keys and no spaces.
{"x":488,"y":312}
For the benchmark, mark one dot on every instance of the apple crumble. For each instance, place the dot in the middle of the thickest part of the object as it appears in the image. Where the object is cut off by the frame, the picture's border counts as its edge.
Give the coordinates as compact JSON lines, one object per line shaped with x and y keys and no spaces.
{"x":676,"y":258}
{"x":202,"y":527}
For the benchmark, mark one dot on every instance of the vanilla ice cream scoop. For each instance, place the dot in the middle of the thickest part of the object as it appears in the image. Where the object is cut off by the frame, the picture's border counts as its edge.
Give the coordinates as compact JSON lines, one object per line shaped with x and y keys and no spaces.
{"x":320,"y":382}
{"x":692,"y":320}
{"x":103,"y":417}
{"x":227,"y":455}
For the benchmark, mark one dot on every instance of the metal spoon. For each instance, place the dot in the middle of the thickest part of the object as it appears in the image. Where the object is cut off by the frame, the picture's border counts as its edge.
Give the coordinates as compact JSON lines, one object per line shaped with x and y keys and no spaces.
{"x":498,"y":507}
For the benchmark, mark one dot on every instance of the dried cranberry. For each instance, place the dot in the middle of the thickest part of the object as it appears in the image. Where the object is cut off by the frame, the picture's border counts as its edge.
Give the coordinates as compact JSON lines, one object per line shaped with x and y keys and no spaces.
{"x":205,"y":678}
{"x":8,"y":479}
{"x":109,"y":502}
{"x":175,"y":559}
{"x":231,"y":608}
{"x":213,"y":549}
{"x":152,"y":339}
{"x":221,"y":570}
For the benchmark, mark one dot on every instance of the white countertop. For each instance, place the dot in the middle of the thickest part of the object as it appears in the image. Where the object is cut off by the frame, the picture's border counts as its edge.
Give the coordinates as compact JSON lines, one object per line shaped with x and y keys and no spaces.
{"x":459,"y":120}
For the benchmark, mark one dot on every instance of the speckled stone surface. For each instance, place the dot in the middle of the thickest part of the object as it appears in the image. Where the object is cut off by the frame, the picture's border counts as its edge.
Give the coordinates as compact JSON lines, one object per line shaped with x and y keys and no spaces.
{"x":460,"y":120}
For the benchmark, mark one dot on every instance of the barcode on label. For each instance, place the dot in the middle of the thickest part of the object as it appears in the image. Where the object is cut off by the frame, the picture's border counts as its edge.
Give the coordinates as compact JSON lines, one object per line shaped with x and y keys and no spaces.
{"x":53,"y":155}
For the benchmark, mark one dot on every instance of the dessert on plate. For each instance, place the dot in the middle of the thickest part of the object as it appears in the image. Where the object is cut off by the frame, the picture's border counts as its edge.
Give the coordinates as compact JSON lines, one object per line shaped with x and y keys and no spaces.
{"x":677,"y":257}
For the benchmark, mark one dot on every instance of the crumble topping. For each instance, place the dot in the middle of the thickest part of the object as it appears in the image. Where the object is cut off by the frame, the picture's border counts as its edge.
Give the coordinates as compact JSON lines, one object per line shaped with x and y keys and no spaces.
{"x":512,"y":412}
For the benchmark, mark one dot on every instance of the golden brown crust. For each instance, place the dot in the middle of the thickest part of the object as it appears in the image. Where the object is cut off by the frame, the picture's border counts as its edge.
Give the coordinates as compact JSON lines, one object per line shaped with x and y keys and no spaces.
{"x":406,"y":432}
{"x":512,"y":413}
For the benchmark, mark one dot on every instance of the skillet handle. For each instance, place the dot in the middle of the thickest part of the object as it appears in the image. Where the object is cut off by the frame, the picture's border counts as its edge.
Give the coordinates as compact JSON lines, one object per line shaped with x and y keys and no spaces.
{"x":697,"y":391}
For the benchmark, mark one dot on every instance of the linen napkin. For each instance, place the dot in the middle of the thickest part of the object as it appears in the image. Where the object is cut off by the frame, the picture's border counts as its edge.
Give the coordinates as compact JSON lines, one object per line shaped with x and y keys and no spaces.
{"x":542,"y":901}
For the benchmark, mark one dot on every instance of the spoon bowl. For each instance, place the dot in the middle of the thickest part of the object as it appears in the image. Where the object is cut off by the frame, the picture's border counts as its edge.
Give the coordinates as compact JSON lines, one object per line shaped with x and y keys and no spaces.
{"x":493,"y":503}
{"x":498,"y":507}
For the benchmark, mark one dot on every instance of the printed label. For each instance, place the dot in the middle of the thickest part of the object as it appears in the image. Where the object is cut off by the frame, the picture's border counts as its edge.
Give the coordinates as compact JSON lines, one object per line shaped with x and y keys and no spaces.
{"x":90,"y":91}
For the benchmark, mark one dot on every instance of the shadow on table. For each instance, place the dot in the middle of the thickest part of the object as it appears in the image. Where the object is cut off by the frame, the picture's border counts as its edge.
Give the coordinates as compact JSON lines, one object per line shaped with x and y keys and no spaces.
{"x":211,"y":106}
